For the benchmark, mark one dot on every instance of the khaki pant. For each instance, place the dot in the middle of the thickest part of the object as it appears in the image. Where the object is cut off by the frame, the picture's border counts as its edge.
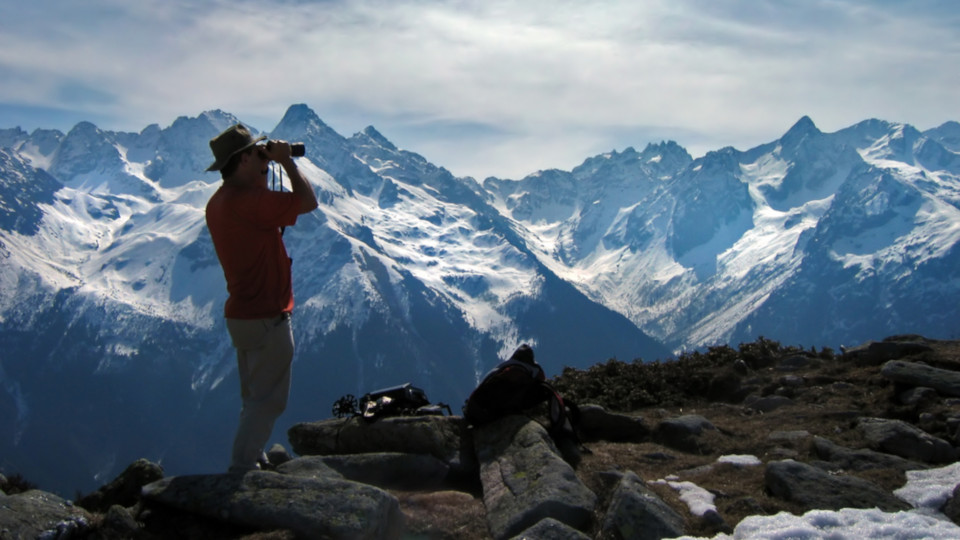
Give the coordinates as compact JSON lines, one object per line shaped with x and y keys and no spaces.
{"x":264,"y":357}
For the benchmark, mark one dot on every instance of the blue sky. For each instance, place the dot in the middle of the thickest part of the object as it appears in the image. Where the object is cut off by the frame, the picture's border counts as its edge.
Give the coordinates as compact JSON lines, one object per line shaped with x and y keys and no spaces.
{"x":497,"y":87}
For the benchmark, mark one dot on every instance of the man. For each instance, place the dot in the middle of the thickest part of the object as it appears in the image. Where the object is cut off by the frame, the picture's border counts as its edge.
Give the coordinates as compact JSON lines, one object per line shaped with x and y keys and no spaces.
{"x":245,"y":219}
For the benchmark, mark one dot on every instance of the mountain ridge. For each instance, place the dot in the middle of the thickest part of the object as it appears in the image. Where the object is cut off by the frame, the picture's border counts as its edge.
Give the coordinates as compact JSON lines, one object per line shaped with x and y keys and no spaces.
{"x":408,"y":273}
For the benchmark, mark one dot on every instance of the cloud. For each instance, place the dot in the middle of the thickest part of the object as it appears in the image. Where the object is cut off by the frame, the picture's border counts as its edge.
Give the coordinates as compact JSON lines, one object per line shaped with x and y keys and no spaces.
{"x":497,"y":87}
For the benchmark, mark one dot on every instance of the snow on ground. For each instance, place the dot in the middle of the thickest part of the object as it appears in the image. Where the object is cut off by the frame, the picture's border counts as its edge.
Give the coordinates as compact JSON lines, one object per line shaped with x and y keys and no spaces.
{"x":925,"y":490}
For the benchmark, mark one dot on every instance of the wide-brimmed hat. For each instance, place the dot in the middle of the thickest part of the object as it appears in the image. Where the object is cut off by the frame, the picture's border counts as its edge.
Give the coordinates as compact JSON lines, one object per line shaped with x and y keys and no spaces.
{"x":233,"y":140}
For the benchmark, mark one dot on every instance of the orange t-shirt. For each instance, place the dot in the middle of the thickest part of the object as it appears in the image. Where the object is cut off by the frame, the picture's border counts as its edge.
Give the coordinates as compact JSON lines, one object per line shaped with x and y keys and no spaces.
{"x":245,"y":226}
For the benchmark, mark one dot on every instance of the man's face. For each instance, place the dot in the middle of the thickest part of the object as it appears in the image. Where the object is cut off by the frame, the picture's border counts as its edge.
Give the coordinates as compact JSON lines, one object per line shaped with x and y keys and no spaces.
{"x":261,"y":154}
{"x":257,"y":162}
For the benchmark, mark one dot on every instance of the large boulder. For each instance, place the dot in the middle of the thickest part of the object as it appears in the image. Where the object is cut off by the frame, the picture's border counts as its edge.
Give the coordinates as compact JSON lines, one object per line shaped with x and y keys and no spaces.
{"x":596,"y":423}
{"x":945,"y":381}
{"x":38,"y":514}
{"x":637,"y":513}
{"x":902,"y":439}
{"x":525,"y":480}
{"x":686,"y":433}
{"x":124,"y":490}
{"x":437,"y":436}
{"x":310,"y":507}
{"x":551,"y":529}
{"x":813,"y":488}
{"x":861,"y":459}
{"x":878,"y":352}
{"x":389,"y":470}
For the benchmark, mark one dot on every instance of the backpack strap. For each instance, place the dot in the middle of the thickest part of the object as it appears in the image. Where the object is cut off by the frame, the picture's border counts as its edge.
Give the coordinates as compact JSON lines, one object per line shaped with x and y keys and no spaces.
{"x":564,"y":416}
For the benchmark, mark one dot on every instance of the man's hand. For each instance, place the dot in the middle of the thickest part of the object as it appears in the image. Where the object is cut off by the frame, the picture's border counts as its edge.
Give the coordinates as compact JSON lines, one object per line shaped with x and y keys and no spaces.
{"x":279,"y":151}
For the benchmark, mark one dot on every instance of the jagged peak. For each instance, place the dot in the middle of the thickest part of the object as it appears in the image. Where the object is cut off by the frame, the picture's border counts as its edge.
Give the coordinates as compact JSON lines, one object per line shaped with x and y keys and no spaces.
{"x":666,"y":148}
{"x":83,"y":127}
{"x":802,"y":129}
{"x":947,"y":134}
{"x":376,"y":137}
{"x":218,"y":118}
{"x":302,"y":116}
{"x":152,"y":129}
{"x":41,"y":132}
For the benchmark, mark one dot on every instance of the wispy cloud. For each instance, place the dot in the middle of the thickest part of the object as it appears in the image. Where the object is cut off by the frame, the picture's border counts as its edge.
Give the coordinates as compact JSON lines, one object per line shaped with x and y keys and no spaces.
{"x":495,"y":87}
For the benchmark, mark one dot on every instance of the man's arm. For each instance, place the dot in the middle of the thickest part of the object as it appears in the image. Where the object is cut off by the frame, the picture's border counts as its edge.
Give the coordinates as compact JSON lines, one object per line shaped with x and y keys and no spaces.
{"x":280,"y":152}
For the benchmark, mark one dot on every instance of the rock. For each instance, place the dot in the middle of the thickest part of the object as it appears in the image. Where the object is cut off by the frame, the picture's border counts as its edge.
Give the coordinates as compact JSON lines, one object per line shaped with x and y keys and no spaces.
{"x":740,"y":367}
{"x":861,"y":460}
{"x":796,"y":362}
{"x":596,"y":423}
{"x":124,"y":490}
{"x":391,"y":470}
{"x":525,"y":480}
{"x":310,"y":467}
{"x":951,"y":508}
{"x":278,"y":455}
{"x":438,"y":436}
{"x":813,"y":488}
{"x":684,"y":432}
{"x":902,"y":439}
{"x":121,"y":522}
{"x":767,"y":403}
{"x":918,"y":396}
{"x":636,"y":512}
{"x":791,"y":437}
{"x":945,"y":381}
{"x":877,"y":352}
{"x":38,"y":514}
{"x":551,"y":529}
{"x":311,"y":507}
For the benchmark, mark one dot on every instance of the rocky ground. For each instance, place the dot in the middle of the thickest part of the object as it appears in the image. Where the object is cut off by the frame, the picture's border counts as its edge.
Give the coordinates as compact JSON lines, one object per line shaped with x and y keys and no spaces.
{"x":825,"y":393}
{"x":825,"y":398}
{"x":764,"y":400}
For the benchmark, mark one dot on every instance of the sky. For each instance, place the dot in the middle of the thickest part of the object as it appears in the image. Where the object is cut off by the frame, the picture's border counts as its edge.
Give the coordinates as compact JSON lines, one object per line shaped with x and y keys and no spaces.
{"x":493,"y":88}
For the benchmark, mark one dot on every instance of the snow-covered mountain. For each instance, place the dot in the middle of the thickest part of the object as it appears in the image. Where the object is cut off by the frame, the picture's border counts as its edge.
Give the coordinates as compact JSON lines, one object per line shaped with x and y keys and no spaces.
{"x":817,"y":239}
{"x":111,"y":296}
{"x":111,"y":306}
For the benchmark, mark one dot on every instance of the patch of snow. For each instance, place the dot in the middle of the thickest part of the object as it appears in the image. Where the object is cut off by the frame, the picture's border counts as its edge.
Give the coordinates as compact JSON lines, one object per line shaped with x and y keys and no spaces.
{"x":742,"y":460}
{"x":926,"y":490}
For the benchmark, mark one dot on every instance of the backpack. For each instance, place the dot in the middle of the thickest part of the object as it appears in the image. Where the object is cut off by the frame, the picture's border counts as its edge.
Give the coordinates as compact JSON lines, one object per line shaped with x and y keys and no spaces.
{"x":402,"y":400}
{"x":515,"y":386}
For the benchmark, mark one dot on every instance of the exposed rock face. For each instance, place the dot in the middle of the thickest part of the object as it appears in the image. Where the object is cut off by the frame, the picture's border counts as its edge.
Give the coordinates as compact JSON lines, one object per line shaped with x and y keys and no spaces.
{"x":900,"y":438}
{"x":824,"y":434}
{"x":37,"y":513}
{"x":311,"y":507}
{"x":525,"y":480}
{"x":815,"y":488}
{"x":125,"y":489}
{"x":637,"y":512}
{"x":437,"y":436}
{"x":944,"y":381}
{"x":862,"y":459}
{"x":685,"y":432}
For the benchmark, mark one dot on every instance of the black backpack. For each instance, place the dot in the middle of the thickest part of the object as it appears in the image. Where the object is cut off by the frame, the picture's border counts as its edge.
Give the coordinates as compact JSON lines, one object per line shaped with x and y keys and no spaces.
{"x":402,"y":400}
{"x":515,"y":386}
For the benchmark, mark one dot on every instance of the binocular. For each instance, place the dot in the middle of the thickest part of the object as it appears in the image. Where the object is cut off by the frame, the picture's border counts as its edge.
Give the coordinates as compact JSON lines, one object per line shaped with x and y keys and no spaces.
{"x":297,"y":149}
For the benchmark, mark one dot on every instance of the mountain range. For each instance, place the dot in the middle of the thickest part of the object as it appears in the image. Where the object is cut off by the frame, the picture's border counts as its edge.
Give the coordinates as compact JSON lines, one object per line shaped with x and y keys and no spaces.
{"x":111,"y":296}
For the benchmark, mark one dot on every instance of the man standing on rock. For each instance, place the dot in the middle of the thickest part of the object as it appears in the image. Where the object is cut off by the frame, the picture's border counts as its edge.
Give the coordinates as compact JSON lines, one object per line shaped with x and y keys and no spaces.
{"x":245,"y":219}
